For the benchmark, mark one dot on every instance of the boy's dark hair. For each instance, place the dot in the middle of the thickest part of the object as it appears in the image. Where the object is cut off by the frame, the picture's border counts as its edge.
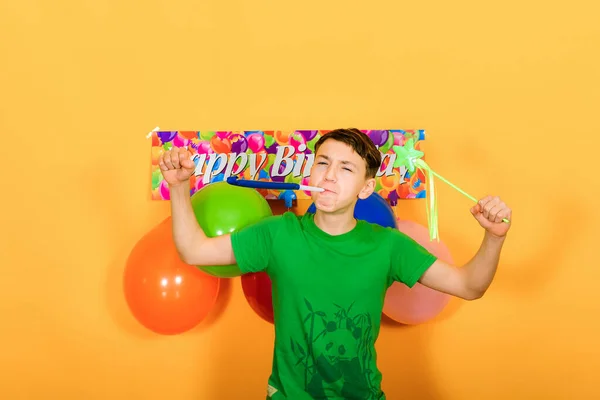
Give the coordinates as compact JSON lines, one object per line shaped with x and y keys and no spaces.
{"x":360,"y":143}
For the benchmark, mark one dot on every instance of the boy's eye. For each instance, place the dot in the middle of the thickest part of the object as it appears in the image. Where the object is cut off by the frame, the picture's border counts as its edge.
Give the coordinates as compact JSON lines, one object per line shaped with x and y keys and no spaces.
{"x":348,"y":169}
{"x":321,"y":163}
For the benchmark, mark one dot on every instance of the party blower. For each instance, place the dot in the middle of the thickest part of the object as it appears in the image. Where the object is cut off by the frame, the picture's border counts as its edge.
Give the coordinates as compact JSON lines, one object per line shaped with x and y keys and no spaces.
{"x":288,"y":195}
{"x":233,"y":180}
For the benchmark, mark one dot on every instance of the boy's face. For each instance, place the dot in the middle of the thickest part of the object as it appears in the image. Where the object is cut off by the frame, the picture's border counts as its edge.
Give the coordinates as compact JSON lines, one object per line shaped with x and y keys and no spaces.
{"x":339,"y":170}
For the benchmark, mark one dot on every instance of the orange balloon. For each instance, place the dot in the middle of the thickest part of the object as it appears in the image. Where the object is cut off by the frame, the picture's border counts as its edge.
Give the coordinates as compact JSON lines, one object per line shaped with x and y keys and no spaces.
{"x":403,"y":190}
{"x":193,"y":180}
{"x":163,"y":293}
{"x":156,"y":195}
{"x":155,"y":139}
{"x":383,"y":193}
{"x":282,"y":137}
{"x":188,"y":134}
{"x":220,"y":145}
{"x":390,"y":182}
{"x":156,"y":153}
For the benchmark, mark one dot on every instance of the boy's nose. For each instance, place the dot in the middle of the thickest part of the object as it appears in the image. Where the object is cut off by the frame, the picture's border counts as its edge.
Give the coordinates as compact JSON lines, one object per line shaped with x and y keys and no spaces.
{"x":330,"y":174}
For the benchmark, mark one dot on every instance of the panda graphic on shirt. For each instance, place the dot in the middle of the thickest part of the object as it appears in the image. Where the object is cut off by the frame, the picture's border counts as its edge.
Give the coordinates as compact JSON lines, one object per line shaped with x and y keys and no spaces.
{"x":336,"y":353}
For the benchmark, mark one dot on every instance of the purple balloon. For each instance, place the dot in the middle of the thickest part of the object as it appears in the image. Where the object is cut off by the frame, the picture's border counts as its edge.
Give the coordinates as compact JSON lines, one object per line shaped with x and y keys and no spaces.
{"x":393,"y":198}
{"x":272,"y":149}
{"x":379,"y":137}
{"x":239,"y":143}
{"x":308,"y":135}
{"x":166,"y":136}
{"x":277,"y":178}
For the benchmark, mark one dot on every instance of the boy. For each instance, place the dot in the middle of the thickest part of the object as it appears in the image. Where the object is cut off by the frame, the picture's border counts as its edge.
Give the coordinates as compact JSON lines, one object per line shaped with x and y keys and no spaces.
{"x":328,"y":300}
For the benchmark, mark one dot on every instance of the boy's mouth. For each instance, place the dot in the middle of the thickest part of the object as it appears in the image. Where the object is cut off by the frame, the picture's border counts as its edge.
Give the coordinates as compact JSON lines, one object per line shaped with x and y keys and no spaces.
{"x":325,"y":191}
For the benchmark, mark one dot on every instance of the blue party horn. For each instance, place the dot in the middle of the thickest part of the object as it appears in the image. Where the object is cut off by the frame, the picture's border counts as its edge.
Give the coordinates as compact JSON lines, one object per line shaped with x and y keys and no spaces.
{"x":233,"y":180}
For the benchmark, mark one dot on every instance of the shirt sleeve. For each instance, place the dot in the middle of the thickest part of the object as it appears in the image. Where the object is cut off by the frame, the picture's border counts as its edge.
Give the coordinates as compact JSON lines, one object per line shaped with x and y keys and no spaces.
{"x":410,"y":259}
{"x":252,"y":245}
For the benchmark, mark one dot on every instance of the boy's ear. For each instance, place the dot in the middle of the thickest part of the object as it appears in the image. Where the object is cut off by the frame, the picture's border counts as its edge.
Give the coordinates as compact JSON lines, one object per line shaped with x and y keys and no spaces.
{"x":368,"y":189}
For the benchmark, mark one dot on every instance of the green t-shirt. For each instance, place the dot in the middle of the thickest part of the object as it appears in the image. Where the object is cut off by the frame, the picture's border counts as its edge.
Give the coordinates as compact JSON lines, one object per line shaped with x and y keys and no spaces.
{"x":328,"y":294}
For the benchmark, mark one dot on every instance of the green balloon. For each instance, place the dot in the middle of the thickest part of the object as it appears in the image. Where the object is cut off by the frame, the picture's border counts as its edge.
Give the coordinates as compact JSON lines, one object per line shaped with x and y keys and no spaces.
{"x":311,"y":144}
{"x":388,"y":145}
{"x":221,"y":208}
{"x":269,"y":140}
{"x":293,"y":179}
{"x":222,"y":271}
{"x":156,"y":175}
{"x":206,"y":135}
{"x":270,"y":161}
{"x":378,"y":185}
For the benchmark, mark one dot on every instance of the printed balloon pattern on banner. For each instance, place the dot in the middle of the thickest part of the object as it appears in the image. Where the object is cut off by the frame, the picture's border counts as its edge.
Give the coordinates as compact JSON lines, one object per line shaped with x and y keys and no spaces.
{"x":278,"y":156}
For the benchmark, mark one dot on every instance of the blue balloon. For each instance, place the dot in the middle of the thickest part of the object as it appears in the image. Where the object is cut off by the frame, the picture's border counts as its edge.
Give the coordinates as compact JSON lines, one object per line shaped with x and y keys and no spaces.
{"x":288,"y":196}
{"x":374,"y":209}
{"x":217,"y":178}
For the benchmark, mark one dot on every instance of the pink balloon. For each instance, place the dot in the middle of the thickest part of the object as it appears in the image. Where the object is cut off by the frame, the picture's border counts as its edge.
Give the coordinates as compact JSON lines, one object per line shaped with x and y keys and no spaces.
{"x":199,"y":183}
{"x":256,"y":142}
{"x":306,"y":182}
{"x":399,"y":139}
{"x":164,"y":190}
{"x":298,"y":141}
{"x":204,"y":148}
{"x":180,"y":141}
{"x":223,"y":134}
{"x":419,"y":304}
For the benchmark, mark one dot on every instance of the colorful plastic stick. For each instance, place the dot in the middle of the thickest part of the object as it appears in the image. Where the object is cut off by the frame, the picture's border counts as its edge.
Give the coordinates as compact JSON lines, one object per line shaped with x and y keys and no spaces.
{"x":411,"y":158}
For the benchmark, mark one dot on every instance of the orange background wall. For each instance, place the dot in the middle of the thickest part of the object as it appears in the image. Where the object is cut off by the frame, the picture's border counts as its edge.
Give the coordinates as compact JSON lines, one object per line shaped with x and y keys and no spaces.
{"x":509,"y":96}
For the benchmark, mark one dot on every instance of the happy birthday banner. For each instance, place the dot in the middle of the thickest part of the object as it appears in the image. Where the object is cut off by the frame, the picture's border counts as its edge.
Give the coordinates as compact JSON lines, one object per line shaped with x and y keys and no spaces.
{"x":278,"y":156}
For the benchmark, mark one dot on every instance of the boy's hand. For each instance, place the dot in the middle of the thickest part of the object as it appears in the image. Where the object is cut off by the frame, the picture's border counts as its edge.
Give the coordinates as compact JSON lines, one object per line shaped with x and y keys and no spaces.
{"x":489,"y":212}
{"x":176,"y":166}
